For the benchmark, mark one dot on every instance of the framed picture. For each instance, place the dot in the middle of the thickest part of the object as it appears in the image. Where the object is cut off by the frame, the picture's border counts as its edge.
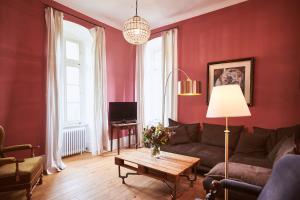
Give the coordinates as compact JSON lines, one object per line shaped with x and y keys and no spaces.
{"x":239,"y":71}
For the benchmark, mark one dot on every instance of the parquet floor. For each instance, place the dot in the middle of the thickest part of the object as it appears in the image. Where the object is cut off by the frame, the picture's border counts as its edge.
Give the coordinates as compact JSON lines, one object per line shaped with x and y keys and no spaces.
{"x":90,"y":177}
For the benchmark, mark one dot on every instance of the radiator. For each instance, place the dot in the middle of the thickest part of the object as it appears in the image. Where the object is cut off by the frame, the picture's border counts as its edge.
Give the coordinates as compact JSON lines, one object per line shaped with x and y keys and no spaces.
{"x":74,"y":140}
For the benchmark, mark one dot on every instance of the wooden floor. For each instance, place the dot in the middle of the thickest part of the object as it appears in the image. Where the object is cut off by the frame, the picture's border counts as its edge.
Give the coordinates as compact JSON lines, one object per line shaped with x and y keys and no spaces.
{"x":96,"y":177}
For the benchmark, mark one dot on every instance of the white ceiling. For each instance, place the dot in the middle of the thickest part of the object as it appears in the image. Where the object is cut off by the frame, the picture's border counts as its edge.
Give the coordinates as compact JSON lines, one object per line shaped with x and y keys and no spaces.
{"x":157,"y":12}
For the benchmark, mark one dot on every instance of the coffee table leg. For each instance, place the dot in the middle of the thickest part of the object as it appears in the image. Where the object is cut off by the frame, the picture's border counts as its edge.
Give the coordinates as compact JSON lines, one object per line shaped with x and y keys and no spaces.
{"x":191,"y":179}
{"x":195,"y":176}
{"x":126,"y":176}
{"x":172,"y":187}
{"x":175,"y":190}
{"x":122,"y":177}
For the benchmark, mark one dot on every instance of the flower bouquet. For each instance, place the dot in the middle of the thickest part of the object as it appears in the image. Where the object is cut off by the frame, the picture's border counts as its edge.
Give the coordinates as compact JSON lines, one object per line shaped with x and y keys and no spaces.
{"x":155,"y":136}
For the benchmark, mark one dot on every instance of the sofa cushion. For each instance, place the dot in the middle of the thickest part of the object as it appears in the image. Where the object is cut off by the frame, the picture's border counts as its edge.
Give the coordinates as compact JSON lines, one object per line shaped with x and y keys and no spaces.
{"x":178,"y":148}
{"x":192,"y":130}
{"x":287,"y":147}
{"x":260,"y":161}
{"x":287,"y":132}
{"x":214,"y":135}
{"x":280,"y":134}
{"x":209,"y":155}
{"x":174,"y":123}
{"x":266,"y":134}
{"x":241,"y":172}
{"x":28,"y":170}
{"x":253,"y":144}
{"x":180,"y":136}
{"x":273,"y":152}
{"x":2,"y":135}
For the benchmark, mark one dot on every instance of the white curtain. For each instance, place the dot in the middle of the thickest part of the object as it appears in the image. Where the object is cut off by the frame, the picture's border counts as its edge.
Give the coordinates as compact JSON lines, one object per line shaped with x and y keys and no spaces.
{"x":99,"y":133}
{"x":139,"y":90}
{"x":170,"y":63}
{"x":55,"y":74}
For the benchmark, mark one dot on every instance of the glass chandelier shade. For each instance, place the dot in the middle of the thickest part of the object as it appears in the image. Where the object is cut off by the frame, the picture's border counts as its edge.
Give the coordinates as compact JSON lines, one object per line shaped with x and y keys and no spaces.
{"x":136,"y":30}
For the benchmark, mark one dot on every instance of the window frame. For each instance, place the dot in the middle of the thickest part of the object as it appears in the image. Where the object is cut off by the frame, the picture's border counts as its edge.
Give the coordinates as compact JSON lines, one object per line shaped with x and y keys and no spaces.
{"x":76,"y":64}
{"x":154,"y":52}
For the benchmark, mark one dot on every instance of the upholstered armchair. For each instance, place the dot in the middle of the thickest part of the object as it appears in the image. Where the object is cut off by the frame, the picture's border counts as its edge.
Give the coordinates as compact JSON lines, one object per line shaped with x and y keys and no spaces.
{"x":284,"y":182}
{"x":18,"y":174}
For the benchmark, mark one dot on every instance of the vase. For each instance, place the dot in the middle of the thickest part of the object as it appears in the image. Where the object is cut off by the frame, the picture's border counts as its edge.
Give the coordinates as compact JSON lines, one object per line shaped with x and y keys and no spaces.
{"x":155,"y":151}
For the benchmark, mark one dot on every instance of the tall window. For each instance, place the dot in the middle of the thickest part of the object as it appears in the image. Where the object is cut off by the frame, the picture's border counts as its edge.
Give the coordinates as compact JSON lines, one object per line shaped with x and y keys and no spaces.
{"x":73,"y":83}
{"x":153,"y":81}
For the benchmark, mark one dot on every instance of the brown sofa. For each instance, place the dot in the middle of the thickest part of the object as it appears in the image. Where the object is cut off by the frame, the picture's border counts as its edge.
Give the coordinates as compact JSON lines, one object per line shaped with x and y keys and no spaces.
{"x":253,"y":153}
{"x":207,"y":144}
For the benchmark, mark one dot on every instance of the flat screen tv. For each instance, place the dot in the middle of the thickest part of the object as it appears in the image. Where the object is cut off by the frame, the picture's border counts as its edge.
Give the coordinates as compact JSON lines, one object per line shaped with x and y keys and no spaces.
{"x":122,"y":111}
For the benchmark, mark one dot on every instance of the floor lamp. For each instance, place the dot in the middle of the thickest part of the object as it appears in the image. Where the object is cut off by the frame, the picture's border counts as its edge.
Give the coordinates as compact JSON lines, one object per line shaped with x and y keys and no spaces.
{"x":227,"y":101}
{"x":187,"y":87}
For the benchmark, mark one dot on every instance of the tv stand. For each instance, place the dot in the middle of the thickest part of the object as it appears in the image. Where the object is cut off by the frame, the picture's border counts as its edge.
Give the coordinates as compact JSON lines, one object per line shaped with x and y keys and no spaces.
{"x":123,"y":125}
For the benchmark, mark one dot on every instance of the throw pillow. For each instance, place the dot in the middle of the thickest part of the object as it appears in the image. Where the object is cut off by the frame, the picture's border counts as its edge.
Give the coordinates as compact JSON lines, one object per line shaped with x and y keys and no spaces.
{"x":287,"y":132}
{"x":287,"y":147}
{"x":273,"y":152}
{"x":297,"y":148}
{"x":253,"y":144}
{"x":269,"y":134}
{"x":174,"y":123}
{"x":214,"y":135}
{"x":193,"y":130}
{"x":180,"y":136}
{"x":241,"y":172}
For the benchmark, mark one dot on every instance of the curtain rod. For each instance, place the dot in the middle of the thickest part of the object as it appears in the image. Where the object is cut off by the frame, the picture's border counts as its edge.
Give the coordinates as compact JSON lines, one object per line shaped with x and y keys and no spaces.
{"x":88,"y":21}
{"x":167,"y":29}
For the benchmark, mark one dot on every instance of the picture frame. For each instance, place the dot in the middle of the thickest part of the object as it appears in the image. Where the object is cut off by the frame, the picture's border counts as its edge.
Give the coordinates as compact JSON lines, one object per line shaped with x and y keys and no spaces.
{"x":237,"y":71}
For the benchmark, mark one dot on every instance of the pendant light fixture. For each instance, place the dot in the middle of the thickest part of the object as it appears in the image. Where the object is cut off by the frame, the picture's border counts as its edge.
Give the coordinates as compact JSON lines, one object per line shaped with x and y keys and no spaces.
{"x":136,"y":30}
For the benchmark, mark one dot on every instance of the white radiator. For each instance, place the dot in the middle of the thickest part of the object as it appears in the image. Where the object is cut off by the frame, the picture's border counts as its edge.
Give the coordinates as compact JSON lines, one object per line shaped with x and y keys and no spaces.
{"x":74,"y":140}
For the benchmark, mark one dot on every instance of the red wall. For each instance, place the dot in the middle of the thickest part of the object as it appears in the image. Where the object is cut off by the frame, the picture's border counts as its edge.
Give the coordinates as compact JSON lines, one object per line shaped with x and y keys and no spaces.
{"x":267,"y":30}
{"x":23,"y":69}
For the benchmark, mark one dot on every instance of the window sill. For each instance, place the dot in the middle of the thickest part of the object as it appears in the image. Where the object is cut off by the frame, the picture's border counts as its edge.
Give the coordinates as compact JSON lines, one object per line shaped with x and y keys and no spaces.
{"x":74,"y":125}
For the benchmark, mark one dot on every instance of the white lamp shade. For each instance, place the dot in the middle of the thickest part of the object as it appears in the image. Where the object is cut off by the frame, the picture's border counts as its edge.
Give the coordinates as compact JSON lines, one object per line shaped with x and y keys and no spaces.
{"x":227,"y":101}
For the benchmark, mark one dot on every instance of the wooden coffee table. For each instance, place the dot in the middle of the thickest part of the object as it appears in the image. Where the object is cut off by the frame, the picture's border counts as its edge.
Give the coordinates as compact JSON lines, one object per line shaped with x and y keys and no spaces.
{"x":169,"y":167}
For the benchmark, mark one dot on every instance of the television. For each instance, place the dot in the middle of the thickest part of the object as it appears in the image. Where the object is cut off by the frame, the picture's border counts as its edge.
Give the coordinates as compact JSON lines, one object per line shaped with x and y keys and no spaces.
{"x":122,"y":111}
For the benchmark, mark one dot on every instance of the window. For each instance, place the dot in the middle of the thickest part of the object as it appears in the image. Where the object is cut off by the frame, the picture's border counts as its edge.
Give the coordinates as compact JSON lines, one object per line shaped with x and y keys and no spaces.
{"x":73,"y":84}
{"x":153,"y":81}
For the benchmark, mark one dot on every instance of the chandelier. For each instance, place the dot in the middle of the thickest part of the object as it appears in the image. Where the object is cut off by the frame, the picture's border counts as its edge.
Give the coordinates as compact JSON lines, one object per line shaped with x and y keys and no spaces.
{"x":136,"y":30}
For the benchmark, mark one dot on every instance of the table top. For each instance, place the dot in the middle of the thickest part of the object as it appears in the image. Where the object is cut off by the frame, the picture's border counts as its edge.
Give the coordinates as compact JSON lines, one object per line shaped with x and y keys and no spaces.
{"x":124,"y":124}
{"x":170,"y":163}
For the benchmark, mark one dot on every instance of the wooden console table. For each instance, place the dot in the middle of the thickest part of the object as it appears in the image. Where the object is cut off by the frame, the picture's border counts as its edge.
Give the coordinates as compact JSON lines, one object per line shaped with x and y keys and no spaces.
{"x":123,"y":126}
{"x":168,"y":168}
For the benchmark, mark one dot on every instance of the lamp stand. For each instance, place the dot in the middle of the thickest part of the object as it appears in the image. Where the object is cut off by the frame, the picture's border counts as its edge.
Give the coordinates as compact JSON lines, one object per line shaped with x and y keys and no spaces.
{"x":165,"y":91}
{"x":226,"y":155}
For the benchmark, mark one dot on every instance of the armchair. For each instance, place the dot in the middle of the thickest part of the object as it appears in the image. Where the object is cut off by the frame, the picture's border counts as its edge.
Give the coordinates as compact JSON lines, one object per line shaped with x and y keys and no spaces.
{"x":17,"y":174}
{"x":284,"y":182}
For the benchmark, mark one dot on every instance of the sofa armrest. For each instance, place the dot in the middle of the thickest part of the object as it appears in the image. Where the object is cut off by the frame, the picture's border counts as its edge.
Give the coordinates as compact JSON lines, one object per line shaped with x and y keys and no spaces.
{"x":17,"y":169}
{"x":241,"y":186}
{"x":8,"y":160}
{"x":21,"y":147}
{"x":213,"y":187}
{"x":16,"y":148}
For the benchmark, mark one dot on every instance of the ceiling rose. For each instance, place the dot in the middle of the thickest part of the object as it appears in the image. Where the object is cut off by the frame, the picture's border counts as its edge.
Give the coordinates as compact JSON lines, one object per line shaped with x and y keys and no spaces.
{"x":136,"y":30}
